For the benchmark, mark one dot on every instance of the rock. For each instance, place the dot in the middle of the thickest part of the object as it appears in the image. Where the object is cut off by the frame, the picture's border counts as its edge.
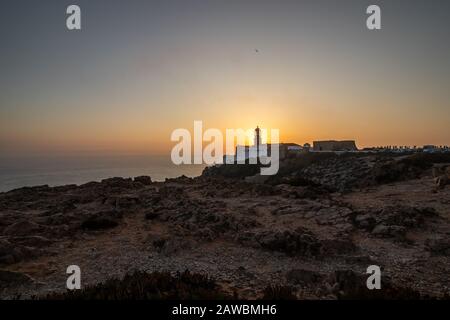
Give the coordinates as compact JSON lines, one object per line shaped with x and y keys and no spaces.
{"x":13,"y":279}
{"x":7,"y":252}
{"x":7,"y":259}
{"x":57,"y":219}
{"x":151,"y":215}
{"x":257,"y":178}
{"x":169,"y":245}
{"x":170,"y":192}
{"x":205,"y":234}
{"x":337,"y":173}
{"x":117,"y":183}
{"x":145,"y":180}
{"x":339,"y":246}
{"x":310,"y":192}
{"x":242,"y":272}
{"x":360,"y":260}
{"x":405,"y":216}
{"x":5,"y":247}
{"x":159,"y":242}
{"x":36,"y":241}
{"x":210,"y":193}
{"x":264,"y":189}
{"x":365,"y":221}
{"x":116,"y":180}
{"x":394,"y":216}
{"x":12,"y":253}
{"x":442,"y":181}
{"x":22,"y":228}
{"x":180,"y":179}
{"x":299,"y":242}
{"x":247,"y":238}
{"x":441,"y":176}
{"x":347,"y":284}
{"x":395,"y":170}
{"x":99,"y":223}
{"x":304,"y":277}
{"x":90,"y":185}
{"x":126,"y":202}
{"x":438,"y":246}
{"x":282,"y":210}
{"x":389,"y":231}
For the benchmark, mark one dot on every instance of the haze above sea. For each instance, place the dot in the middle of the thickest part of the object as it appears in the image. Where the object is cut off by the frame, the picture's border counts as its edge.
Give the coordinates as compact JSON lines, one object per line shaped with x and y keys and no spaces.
{"x":22,"y":171}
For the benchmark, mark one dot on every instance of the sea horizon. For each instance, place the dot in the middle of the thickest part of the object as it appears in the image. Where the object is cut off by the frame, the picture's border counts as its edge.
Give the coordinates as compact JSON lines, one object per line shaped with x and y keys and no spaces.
{"x":57,"y":170}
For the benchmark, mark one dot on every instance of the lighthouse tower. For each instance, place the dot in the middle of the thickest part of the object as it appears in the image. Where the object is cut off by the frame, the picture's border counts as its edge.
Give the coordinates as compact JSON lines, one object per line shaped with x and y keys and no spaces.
{"x":257,"y":142}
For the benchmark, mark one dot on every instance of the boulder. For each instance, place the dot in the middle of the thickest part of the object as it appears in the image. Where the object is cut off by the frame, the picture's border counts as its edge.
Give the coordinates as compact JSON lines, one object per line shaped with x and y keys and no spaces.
{"x":117,"y":183}
{"x":365,"y":221}
{"x":145,"y":180}
{"x":442,"y":181}
{"x":151,"y":215}
{"x":99,"y":223}
{"x":441,"y":176}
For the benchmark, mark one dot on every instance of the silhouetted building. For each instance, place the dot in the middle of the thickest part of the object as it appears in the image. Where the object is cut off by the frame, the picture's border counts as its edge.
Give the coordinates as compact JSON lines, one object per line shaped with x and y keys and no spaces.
{"x":333,"y":145}
{"x":257,"y":141}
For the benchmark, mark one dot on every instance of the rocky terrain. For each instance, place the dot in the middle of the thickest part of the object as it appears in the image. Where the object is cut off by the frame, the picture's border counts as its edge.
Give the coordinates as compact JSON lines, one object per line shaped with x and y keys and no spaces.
{"x":313,"y":229}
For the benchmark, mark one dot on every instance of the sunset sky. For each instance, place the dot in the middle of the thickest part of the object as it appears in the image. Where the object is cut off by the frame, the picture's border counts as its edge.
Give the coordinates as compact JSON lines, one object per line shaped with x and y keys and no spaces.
{"x":140,"y":69}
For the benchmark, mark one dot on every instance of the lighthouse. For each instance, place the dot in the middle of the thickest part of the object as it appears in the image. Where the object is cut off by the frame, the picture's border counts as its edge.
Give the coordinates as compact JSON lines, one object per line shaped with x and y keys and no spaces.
{"x":257,"y":141}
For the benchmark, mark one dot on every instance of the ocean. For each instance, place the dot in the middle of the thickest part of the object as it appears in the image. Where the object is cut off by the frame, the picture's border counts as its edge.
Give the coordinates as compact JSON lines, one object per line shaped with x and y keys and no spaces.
{"x":16,"y":172}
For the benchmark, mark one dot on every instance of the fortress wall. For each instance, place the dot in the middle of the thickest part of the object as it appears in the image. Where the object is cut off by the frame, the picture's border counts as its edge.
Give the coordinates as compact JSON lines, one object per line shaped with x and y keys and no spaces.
{"x":332,"y":145}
